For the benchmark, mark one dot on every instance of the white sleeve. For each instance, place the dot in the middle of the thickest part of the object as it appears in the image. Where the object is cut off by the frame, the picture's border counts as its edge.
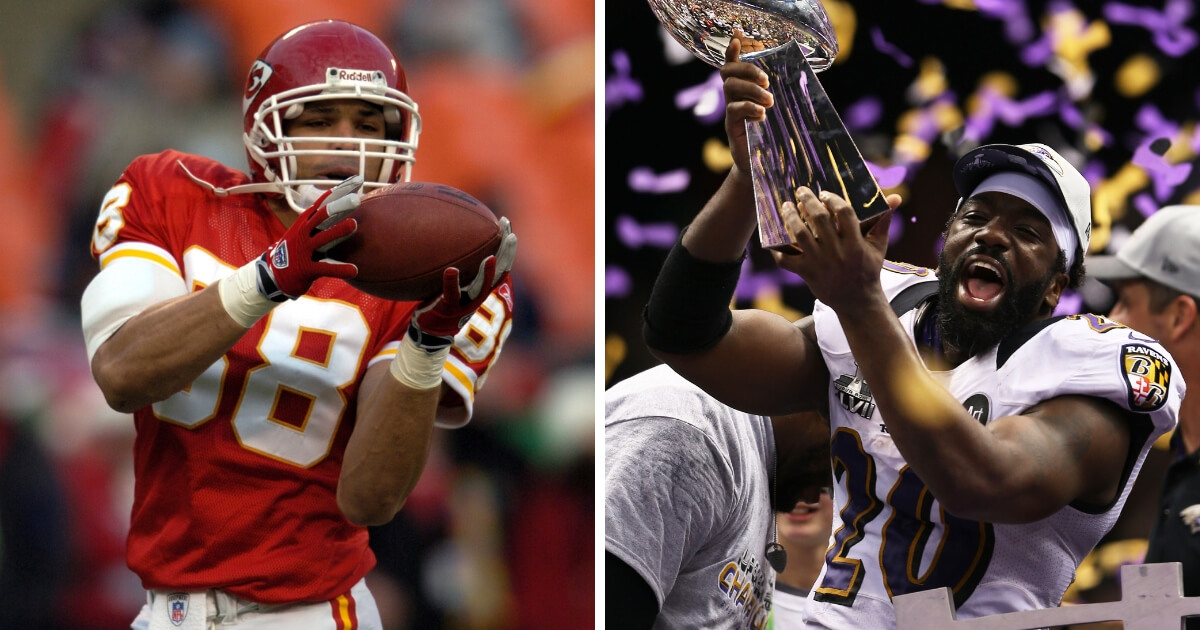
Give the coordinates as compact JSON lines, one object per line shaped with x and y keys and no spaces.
{"x":133,"y":276}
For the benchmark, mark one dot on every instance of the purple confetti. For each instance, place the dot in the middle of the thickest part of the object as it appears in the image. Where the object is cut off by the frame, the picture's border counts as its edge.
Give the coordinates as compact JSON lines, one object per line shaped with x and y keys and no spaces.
{"x":1150,"y":120}
{"x":642,"y":179}
{"x":1038,"y":51}
{"x":889,"y":49}
{"x":863,"y":114}
{"x":752,"y":283}
{"x":1168,"y":26}
{"x":621,"y":88}
{"x":1013,"y":113}
{"x":634,"y":235}
{"x":1145,"y":204}
{"x":1017,"y":25}
{"x":1071,"y":114}
{"x":1094,"y":172}
{"x":895,"y":229}
{"x":1165,"y":176}
{"x":1070,"y":303}
{"x":707,"y":100}
{"x":617,"y":283}
{"x":887,"y":176}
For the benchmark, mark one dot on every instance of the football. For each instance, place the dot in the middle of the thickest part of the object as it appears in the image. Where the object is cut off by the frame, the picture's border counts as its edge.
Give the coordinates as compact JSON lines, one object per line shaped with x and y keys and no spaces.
{"x":409,"y":233}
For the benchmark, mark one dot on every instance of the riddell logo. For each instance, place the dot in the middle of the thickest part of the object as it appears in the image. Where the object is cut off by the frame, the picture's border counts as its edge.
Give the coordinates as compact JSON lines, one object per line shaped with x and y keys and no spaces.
{"x":338,"y":75}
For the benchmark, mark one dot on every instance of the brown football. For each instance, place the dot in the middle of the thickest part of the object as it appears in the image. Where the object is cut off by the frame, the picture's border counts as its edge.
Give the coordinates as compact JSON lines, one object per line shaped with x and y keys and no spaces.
{"x":409,"y":233}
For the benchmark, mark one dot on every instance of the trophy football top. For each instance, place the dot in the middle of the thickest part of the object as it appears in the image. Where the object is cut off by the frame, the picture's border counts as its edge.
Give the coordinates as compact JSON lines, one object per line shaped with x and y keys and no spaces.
{"x":705,"y":27}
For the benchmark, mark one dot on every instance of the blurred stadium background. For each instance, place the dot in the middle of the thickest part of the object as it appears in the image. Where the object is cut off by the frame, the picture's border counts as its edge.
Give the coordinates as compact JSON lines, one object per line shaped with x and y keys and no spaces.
{"x":1112,"y":85}
{"x":500,"y":531}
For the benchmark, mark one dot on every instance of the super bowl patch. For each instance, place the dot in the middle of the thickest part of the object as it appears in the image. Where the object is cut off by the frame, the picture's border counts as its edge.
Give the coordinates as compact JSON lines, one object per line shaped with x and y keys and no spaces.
{"x":855,"y":395}
{"x":1147,"y":375}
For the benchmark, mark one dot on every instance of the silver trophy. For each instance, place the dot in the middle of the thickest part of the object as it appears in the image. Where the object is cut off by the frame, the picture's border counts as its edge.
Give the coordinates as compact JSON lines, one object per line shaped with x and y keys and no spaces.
{"x":802,"y":141}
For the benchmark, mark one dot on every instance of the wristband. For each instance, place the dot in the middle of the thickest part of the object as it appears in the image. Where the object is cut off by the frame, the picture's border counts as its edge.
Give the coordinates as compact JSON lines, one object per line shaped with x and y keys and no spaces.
{"x":427,"y":341}
{"x":241,"y":298}
{"x":417,"y":368}
{"x":688,"y":309}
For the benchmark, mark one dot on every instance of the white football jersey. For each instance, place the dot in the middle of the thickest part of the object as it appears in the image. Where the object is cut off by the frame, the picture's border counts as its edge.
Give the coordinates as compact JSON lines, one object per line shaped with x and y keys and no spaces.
{"x":891,"y":536}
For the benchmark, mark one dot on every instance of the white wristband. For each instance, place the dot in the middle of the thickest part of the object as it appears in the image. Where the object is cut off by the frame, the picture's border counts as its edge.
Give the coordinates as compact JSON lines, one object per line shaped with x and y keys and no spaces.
{"x":416,"y":368}
{"x":240,"y":296}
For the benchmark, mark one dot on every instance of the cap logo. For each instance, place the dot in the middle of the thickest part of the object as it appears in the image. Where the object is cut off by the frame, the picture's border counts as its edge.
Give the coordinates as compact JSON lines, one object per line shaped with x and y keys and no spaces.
{"x":260,"y":73}
{"x":1169,"y":266}
{"x":977,"y":162}
{"x":1045,"y":156}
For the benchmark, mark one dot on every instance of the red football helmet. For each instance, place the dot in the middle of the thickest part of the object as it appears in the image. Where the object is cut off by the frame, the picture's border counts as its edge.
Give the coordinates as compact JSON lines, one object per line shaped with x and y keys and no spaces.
{"x":324,"y":61}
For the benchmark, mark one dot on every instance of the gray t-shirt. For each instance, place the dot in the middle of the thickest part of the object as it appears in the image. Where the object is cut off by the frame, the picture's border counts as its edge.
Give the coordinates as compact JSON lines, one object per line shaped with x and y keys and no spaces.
{"x":687,"y":500}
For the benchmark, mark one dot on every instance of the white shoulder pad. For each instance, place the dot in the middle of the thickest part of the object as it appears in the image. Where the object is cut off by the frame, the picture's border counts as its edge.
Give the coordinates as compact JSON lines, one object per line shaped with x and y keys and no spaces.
{"x":132,"y":278}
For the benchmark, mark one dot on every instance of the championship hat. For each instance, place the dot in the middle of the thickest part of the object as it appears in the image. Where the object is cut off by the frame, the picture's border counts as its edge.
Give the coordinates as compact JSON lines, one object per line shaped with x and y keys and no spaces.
{"x":1165,"y":248}
{"x":1042,"y":163}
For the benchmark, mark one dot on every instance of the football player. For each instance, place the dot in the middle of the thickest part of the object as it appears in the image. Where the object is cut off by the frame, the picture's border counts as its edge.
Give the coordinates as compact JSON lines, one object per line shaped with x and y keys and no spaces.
{"x":978,"y":442}
{"x":279,"y":411}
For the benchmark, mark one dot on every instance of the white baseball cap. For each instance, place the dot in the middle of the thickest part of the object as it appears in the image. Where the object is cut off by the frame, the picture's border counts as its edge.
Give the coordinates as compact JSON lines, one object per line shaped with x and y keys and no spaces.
{"x":1041,"y":162}
{"x":1165,"y":248}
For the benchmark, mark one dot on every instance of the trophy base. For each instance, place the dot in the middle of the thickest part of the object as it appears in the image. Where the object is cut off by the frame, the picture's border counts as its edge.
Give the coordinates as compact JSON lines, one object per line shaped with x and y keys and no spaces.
{"x":803,"y":142}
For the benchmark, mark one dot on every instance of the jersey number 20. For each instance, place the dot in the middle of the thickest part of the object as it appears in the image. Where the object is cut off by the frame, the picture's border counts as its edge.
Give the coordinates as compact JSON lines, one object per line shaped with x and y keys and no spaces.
{"x":958,"y":562}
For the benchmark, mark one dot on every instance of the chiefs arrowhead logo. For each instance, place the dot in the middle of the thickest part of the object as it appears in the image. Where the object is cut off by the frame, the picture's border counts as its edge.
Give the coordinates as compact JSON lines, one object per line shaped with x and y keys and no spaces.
{"x":260,"y":73}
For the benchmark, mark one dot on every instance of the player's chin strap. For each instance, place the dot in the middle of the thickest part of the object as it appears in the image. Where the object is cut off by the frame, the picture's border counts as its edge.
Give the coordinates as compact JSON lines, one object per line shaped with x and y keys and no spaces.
{"x":260,"y":187}
{"x":299,"y":197}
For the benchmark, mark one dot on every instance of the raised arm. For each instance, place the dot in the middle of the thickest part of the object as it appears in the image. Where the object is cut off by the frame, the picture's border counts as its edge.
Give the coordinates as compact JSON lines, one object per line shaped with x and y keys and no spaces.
{"x":752,"y":360}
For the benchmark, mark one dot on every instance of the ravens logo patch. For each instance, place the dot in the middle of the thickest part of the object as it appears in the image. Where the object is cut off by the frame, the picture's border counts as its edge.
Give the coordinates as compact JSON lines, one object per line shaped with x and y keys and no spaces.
{"x":1147,"y":375}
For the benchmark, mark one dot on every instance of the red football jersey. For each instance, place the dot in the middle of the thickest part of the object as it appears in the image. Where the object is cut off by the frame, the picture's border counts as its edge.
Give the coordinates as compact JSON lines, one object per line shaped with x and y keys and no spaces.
{"x":237,"y":474}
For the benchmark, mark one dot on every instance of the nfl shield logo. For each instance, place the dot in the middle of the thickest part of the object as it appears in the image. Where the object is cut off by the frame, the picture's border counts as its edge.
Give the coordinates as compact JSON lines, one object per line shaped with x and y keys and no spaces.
{"x":177,"y":606}
{"x":279,"y":257}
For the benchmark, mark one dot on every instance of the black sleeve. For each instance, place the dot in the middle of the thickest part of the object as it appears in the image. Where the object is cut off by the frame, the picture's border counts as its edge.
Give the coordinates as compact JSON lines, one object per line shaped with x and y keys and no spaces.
{"x":688,"y":309}
{"x":629,"y":602}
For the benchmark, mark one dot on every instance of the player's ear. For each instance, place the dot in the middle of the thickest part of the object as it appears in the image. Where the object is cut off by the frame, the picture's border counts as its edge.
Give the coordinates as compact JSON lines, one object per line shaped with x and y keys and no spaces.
{"x":1183,"y":315}
{"x":1058,"y":284}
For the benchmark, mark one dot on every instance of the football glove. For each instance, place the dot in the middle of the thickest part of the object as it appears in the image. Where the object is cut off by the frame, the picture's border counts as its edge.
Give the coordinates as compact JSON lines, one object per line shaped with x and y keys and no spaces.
{"x":435,"y":322}
{"x":289,"y":267}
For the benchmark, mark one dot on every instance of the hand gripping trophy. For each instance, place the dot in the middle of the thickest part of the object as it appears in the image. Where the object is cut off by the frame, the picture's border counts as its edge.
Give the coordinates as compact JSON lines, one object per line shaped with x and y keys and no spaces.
{"x":802,"y":141}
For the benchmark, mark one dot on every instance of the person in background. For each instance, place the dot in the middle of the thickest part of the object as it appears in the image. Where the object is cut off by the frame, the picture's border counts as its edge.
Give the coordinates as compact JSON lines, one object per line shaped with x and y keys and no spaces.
{"x":690,"y":489}
{"x":804,"y":533}
{"x":1156,"y":277}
